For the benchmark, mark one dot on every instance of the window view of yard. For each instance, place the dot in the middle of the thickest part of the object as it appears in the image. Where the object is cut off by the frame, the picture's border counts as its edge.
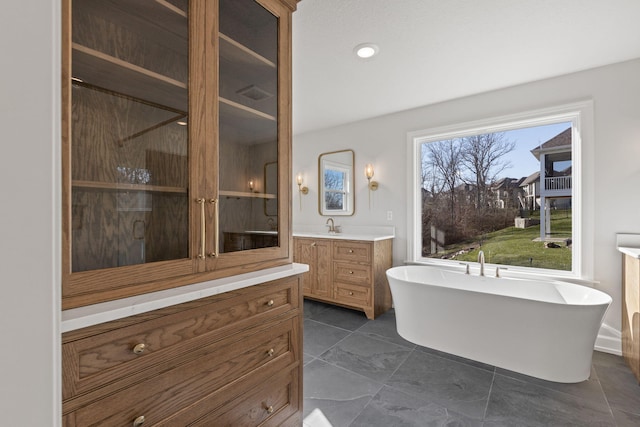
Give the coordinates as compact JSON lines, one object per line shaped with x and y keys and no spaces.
{"x":505,"y":193}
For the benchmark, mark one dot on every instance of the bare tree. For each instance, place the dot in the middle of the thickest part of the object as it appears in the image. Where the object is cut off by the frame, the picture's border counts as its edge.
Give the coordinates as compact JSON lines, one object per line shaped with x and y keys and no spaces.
{"x":445,"y":160}
{"x":482,"y":156}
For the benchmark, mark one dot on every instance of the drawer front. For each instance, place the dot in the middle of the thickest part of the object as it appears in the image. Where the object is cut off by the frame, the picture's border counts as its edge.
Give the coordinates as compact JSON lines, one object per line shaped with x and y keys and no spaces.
{"x":266,"y":348}
{"x":104,"y":358}
{"x":352,"y":273}
{"x":351,"y":251}
{"x":353,"y":294}
{"x":269,"y":404}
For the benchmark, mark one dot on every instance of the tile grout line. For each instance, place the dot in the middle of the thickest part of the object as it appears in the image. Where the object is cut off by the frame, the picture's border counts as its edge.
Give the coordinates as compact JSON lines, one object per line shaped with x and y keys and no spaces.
{"x":486,"y":407}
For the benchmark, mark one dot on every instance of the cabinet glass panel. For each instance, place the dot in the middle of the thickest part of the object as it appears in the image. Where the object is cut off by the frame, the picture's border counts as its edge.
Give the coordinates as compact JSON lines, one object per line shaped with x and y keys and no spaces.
{"x":248,"y":149}
{"x":129,"y":132}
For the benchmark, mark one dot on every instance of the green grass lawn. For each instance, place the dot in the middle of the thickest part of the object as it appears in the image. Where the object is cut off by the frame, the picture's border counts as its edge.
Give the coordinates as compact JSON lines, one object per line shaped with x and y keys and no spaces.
{"x":515,"y":246}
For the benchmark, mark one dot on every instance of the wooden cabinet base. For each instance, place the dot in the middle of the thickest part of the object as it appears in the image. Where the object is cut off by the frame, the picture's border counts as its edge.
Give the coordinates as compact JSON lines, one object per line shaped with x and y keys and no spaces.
{"x":631,"y":313}
{"x":347,"y":273}
{"x":233,"y":358}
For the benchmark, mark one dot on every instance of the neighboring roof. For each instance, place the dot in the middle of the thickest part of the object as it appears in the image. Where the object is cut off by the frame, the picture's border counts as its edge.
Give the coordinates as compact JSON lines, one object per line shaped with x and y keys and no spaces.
{"x":563,"y":139}
{"x":531,"y":178}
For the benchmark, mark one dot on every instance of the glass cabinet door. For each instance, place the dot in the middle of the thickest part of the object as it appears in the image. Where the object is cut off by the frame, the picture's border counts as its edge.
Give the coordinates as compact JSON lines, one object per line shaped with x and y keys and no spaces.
{"x":248,"y":127}
{"x":128,"y":142}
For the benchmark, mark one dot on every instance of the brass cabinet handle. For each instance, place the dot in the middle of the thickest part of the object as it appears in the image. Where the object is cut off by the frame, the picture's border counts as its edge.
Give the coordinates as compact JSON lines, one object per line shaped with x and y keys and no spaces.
{"x":269,"y":409}
{"x":270,"y":352}
{"x":351,"y":293}
{"x":350,"y":272}
{"x":139,"y":349}
{"x":138,"y":421}
{"x":203,"y":230}
{"x":350,"y":251}
{"x":314,"y":244}
{"x":270,"y":303}
{"x":216,"y":231}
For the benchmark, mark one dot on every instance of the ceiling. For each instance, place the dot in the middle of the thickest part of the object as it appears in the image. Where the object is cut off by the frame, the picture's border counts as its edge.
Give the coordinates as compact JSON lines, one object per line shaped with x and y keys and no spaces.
{"x":436,"y":50}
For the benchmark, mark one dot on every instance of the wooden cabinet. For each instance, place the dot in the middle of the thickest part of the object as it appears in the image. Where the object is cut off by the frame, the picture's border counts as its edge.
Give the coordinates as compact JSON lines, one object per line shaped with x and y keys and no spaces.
{"x":317,"y":254}
{"x":173,"y":113}
{"x":631,"y":313}
{"x":347,"y":272}
{"x":230,"y":359}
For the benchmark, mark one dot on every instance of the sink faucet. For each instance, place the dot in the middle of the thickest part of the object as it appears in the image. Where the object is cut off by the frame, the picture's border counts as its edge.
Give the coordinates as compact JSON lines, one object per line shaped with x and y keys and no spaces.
{"x":331,"y":225}
{"x":481,"y":261}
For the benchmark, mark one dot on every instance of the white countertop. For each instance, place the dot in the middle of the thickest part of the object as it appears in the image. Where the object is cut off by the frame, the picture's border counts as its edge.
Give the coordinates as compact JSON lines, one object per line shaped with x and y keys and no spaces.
{"x":634,"y":252}
{"x":365,"y":233}
{"x":628,"y":244}
{"x":345,"y":236}
{"x":82,"y":317}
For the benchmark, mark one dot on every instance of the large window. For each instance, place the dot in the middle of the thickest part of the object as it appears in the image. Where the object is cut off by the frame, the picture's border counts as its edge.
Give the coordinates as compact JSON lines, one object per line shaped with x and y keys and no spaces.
{"x":509,"y":186}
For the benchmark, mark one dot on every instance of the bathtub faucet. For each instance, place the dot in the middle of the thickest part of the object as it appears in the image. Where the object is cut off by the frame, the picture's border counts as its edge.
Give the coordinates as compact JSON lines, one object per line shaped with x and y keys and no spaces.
{"x":481,"y":261}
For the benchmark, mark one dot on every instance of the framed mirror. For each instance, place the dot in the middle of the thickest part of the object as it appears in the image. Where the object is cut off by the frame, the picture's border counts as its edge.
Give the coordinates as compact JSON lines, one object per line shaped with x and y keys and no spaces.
{"x":336,"y":183}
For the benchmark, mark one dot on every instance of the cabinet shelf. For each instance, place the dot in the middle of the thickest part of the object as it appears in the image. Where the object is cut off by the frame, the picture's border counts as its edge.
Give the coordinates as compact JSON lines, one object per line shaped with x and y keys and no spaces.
{"x":168,"y":26}
{"x":108,"y":72}
{"x":116,"y":186}
{"x":246,"y":194}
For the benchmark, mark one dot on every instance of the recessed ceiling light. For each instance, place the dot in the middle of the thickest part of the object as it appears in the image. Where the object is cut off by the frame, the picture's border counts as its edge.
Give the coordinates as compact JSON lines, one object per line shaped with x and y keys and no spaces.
{"x":366,"y":50}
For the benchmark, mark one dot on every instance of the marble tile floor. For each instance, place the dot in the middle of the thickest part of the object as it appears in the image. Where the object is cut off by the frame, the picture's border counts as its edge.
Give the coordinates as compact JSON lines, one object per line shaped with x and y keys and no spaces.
{"x":360,"y":372}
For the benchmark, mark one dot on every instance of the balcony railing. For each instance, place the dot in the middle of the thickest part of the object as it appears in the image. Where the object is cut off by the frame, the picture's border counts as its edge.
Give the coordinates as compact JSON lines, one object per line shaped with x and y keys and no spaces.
{"x":558,"y":183}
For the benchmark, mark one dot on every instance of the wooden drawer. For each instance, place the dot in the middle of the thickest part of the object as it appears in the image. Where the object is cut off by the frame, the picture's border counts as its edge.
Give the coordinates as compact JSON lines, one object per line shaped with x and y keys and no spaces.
{"x":269,"y":348}
{"x":346,"y":250}
{"x":108,"y":357}
{"x":352,"y":273}
{"x":269,"y":404}
{"x":353,"y":294}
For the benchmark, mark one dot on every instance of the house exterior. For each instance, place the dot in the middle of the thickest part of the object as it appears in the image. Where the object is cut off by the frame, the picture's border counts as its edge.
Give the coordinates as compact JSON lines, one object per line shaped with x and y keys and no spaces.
{"x":554,"y":183}
{"x":505,"y":193}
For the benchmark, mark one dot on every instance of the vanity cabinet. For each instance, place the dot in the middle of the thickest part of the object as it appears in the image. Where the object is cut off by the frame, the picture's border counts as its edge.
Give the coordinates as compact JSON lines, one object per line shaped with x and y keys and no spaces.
{"x":173,"y":112}
{"x":229,"y":359}
{"x":349,"y":273}
{"x":317,"y":254}
{"x":631,"y":313}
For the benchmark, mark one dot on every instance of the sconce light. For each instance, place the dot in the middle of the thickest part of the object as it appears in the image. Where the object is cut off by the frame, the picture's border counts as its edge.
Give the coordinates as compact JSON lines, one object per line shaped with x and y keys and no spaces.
{"x":368,"y":172}
{"x":373,"y":185}
{"x":301,"y":188}
{"x":251,"y":184}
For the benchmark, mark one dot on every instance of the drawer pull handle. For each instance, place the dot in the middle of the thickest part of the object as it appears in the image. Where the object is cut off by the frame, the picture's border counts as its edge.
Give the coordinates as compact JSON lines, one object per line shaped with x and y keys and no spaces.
{"x":270,"y":352}
{"x":138,"y":421}
{"x":351,"y":293}
{"x":270,"y":303}
{"x":269,"y":409}
{"x":314,"y":244}
{"x":350,"y":251}
{"x":139,"y":349}
{"x":351,"y":272}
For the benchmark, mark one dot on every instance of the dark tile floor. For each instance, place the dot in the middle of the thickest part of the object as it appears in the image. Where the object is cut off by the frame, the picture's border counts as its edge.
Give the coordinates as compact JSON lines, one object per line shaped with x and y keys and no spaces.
{"x":362,"y":373}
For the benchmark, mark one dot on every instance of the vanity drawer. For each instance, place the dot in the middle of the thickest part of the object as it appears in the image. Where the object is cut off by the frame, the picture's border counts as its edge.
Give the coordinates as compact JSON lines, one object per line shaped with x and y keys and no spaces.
{"x":269,"y":404}
{"x":128,"y":353}
{"x":352,"y":273}
{"x":264,"y":349}
{"x":348,"y":293}
{"x":346,"y":250}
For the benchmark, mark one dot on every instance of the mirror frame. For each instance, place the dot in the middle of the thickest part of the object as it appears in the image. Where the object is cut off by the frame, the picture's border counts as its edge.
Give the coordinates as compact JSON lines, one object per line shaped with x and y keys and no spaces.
{"x":350,"y":192}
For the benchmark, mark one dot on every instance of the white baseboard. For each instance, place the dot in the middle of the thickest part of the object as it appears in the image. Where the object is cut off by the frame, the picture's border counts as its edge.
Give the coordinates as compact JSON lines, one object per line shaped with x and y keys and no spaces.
{"x":609,"y":340}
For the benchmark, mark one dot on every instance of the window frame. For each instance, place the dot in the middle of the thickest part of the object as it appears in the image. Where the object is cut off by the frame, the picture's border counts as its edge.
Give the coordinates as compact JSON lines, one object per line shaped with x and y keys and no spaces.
{"x":580,"y":114}
{"x":344,"y":192}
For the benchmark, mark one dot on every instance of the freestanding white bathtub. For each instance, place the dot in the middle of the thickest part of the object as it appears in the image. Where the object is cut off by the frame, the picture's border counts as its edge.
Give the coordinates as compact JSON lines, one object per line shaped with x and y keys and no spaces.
{"x":544,"y":329}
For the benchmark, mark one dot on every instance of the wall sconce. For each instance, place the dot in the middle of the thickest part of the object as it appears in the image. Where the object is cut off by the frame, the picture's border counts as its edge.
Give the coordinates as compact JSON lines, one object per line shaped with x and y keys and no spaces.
{"x":251,"y":185}
{"x":301,"y":188}
{"x":373,"y":185}
{"x":368,"y":172}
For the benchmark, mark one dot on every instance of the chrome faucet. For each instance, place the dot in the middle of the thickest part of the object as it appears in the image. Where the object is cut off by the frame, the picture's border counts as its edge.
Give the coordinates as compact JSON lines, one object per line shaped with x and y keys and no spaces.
{"x":481,"y":261}
{"x":332,"y":227}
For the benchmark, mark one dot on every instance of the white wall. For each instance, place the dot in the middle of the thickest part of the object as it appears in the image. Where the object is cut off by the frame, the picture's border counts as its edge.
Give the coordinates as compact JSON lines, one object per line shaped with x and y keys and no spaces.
{"x":29,"y":108}
{"x":615,"y":91}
